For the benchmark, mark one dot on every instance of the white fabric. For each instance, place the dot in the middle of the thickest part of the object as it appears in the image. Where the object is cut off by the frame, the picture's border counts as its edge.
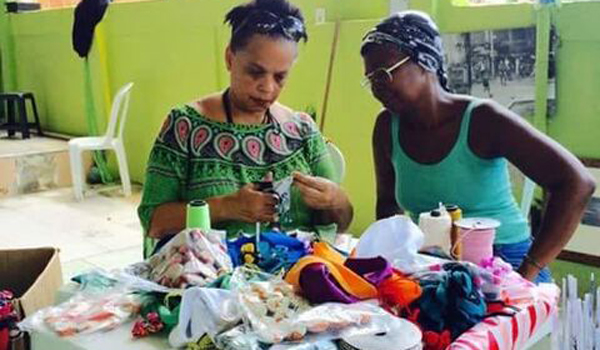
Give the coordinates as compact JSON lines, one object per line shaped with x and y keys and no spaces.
{"x":204,"y":311}
{"x":396,"y":239}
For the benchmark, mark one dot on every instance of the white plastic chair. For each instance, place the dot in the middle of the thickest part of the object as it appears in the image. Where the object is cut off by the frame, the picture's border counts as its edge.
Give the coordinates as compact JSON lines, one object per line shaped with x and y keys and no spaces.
{"x":527,"y":196}
{"x":527,"y":192}
{"x":338,"y":160}
{"x":113,"y":139}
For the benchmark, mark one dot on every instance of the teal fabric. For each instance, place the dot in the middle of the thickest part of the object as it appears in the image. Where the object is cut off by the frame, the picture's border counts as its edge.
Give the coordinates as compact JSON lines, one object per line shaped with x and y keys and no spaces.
{"x":451,"y":300}
{"x":480,"y":187}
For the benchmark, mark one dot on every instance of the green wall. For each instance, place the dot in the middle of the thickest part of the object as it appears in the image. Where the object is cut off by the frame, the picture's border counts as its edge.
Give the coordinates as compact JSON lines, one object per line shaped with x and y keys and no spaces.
{"x":173,"y":49}
{"x":350,"y":119}
{"x":48,"y":66}
{"x":7,"y":56}
{"x":170,"y":64}
{"x":577,"y":122}
{"x":456,"y":19}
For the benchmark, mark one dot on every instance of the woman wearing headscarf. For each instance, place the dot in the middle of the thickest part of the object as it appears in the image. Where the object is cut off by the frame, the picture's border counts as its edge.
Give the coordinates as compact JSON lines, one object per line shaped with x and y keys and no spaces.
{"x":432,"y":146}
{"x":218,"y":147}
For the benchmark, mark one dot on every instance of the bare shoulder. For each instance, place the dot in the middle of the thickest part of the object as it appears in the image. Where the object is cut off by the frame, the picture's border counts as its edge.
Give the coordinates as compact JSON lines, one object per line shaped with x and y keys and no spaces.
{"x":495,"y":129}
{"x":208,"y":106}
{"x":491,"y":114}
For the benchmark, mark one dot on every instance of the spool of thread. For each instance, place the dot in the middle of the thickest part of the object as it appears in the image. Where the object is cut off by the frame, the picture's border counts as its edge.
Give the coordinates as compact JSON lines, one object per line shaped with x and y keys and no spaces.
{"x":197,"y":215}
{"x":402,"y":335}
{"x":477,"y":238}
{"x":455,"y":214}
{"x":436,"y":226}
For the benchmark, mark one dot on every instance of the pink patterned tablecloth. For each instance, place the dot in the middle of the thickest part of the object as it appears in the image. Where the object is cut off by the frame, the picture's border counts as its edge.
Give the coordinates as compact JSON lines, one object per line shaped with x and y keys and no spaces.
{"x":512,"y":332}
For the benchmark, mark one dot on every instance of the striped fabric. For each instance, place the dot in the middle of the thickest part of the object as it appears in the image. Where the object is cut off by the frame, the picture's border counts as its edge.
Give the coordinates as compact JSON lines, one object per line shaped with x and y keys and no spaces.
{"x":508,"y":333}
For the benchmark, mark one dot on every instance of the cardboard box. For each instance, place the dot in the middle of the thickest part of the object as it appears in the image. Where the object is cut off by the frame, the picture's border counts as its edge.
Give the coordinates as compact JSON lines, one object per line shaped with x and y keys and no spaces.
{"x":33,"y":275}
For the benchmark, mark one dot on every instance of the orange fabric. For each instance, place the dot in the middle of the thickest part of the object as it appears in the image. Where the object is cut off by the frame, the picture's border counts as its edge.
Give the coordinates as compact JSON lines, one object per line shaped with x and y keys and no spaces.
{"x":399,"y":291}
{"x":351,"y":282}
{"x":325,"y":251}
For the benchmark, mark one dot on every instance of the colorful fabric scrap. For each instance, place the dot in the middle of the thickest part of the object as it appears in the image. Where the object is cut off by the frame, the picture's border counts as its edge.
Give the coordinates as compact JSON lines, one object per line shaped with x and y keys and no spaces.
{"x":327,"y":276}
{"x":276,"y":252}
{"x":450,"y":300}
{"x":8,"y":318}
{"x":150,"y":325}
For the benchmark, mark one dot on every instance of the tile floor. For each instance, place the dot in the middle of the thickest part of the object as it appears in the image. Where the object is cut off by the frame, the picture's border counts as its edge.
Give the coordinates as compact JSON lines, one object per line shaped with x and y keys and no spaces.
{"x":101,"y":231}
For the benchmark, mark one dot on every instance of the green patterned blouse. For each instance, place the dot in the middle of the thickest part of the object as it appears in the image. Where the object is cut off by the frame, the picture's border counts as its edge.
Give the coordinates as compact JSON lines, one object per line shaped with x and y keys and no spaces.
{"x":194,"y":157}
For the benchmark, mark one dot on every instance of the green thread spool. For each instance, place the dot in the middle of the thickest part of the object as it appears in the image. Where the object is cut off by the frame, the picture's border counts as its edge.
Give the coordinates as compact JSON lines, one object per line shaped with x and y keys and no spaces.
{"x":198,"y":215}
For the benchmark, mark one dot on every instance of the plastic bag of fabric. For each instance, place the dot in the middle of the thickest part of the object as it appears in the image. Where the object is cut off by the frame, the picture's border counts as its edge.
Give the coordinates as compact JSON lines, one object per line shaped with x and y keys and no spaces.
{"x":85,"y":313}
{"x":240,"y":338}
{"x":275,"y":314}
{"x":397,"y":239}
{"x":205,"y":311}
{"x":332,"y":321}
{"x":96,"y":281}
{"x":268,"y":305}
{"x":336,"y":320}
{"x":192,"y":258}
{"x":317,"y":345}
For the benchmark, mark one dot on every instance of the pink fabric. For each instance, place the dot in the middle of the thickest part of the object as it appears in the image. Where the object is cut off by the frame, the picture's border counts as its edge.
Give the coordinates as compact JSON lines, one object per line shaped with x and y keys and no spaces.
{"x":507,"y":333}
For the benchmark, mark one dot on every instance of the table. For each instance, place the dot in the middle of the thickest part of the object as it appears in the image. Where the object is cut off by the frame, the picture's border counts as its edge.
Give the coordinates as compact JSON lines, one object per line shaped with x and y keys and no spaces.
{"x":496,"y":332}
{"x":522,"y":331}
{"x":117,"y":339}
{"x":120,"y":339}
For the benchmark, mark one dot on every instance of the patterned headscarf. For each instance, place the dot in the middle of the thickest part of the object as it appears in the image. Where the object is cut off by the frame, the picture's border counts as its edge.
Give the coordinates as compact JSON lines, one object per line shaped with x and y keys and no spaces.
{"x":415,"y":34}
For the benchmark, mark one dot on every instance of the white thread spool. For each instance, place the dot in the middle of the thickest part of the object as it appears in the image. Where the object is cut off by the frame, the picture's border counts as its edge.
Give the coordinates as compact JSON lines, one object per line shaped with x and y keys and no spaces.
{"x":436,"y":226}
{"x":401,"y":335}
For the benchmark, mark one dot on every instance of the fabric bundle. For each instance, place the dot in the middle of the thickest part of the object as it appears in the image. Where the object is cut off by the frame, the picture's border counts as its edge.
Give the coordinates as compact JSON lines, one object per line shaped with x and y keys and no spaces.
{"x":451,"y":301}
{"x":276,"y":251}
{"x":327,"y":276}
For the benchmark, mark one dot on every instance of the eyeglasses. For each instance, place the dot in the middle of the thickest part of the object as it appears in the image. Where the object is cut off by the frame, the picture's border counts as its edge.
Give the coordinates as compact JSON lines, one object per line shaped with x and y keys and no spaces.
{"x":382,"y":75}
{"x":266,"y":22}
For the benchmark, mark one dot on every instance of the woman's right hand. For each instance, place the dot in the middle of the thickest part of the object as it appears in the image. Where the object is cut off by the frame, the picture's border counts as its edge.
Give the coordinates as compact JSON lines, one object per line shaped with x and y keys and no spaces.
{"x":250,"y":205}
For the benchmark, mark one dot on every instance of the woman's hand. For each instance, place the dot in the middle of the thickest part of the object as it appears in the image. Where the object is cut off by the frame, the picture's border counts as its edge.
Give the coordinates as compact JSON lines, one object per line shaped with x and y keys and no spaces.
{"x":327,"y":197}
{"x":528,"y":271}
{"x":319,"y":193}
{"x":250,"y":205}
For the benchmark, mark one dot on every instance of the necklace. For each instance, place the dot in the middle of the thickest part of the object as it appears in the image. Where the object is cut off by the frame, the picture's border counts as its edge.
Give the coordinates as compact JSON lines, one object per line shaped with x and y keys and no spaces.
{"x":267,"y":118}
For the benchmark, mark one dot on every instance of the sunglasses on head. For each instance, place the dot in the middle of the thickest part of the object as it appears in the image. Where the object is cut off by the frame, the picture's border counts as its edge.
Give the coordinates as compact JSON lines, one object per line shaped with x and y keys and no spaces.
{"x":267,"y":22}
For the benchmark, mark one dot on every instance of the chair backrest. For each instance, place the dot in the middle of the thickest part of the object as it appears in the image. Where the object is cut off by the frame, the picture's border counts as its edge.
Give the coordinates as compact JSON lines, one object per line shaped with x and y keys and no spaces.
{"x":523,"y":189}
{"x":527,"y":196}
{"x":525,"y":108}
{"x":338,"y":160}
{"x":118,"y":112}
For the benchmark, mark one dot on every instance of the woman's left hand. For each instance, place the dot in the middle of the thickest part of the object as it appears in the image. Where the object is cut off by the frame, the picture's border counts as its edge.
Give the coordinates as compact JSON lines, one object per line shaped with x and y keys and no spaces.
{"x":319,"y":193}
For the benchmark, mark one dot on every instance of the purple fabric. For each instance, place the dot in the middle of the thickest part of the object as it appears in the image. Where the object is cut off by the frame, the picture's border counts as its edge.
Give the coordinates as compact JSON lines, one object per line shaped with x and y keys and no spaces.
{"x":374,"y":270}
{"x":319,"y":286}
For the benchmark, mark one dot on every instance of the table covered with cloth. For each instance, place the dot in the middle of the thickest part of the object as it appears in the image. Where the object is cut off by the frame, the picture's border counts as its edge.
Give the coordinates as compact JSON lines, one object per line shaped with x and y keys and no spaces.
{"x":519,"y":331}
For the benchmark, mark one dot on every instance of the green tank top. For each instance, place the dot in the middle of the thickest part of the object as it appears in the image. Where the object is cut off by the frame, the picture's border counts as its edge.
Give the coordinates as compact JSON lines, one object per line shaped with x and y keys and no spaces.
{"x":480,"y":187}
